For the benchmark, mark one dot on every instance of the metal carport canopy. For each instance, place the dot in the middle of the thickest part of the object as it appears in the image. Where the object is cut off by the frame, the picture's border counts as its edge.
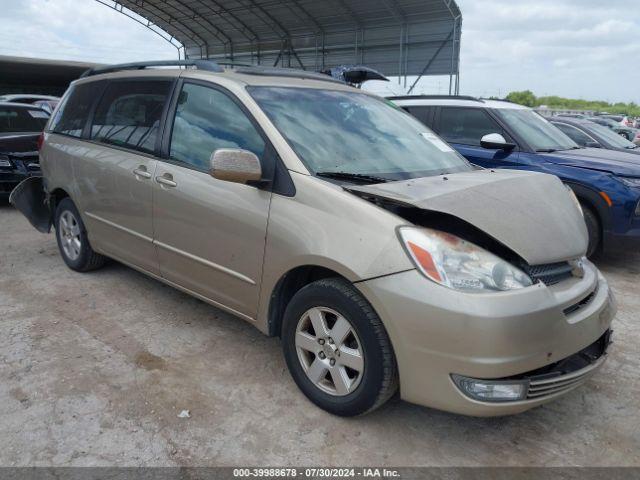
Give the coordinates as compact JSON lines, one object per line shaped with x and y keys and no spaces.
{"x":396,"y":37}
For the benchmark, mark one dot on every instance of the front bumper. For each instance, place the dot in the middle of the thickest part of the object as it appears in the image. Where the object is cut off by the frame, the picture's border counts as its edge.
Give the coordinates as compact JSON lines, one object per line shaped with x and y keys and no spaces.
{"x":437,"y":332}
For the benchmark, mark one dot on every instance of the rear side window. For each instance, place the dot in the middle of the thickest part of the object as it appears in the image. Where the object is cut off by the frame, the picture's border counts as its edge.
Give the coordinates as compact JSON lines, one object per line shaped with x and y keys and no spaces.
{"x":466,"y":126}
{"x":129,"y":114}
{"x":574,"y":134}
{"x":206,"y":120}
{"x":72,"y":115}
{"x":424,"y":114}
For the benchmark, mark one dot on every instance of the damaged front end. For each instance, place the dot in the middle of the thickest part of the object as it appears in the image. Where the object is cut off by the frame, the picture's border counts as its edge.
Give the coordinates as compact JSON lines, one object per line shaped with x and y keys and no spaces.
{"x":31,"y":199}
{"x":523,"y":218}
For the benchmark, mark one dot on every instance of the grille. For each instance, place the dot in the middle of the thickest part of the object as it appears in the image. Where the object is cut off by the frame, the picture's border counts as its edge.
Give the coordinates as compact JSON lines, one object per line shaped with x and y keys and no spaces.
{"x":581,"y":304}
{"x":561,"y":383}
{"x":570,"y":372}
{"x":549,"y":274}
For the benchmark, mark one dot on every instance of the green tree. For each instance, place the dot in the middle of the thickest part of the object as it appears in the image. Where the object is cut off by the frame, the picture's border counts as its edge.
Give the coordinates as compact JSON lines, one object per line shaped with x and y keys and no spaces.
{"x":526,"y":98}
{"x":529,"y":99}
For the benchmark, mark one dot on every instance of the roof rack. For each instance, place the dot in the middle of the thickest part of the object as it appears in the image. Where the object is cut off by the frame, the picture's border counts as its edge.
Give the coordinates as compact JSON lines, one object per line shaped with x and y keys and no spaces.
{"x":436,"y":97}
{"x":208,"y":65}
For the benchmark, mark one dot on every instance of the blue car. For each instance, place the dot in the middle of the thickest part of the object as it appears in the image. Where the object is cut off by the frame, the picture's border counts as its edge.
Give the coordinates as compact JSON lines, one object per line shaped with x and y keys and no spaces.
{"x":497,"y":134}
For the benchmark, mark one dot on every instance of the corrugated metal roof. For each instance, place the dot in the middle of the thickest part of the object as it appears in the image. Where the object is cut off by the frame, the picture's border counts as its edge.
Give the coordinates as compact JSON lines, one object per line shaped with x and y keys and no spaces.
{"x":396,"y":37}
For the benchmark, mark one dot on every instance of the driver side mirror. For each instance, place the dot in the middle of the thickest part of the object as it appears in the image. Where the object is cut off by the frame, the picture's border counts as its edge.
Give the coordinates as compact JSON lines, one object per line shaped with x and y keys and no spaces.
{"x":235,"y":165}
{"x":495,"y":141}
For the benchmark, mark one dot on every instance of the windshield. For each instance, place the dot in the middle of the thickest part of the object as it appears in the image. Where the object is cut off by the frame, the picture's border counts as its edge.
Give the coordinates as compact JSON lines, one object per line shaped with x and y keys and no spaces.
{"x":537,"y":132}
{"x":18,"y":119}
{"x":611,"y":137}
{"x":355,"y":133}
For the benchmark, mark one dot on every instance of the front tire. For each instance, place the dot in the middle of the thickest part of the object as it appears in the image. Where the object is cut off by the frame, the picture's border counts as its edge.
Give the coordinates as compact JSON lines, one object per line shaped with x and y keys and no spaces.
{"x":594,"y":230}
{"x":337,"y":350}
{"x":73,"y":242}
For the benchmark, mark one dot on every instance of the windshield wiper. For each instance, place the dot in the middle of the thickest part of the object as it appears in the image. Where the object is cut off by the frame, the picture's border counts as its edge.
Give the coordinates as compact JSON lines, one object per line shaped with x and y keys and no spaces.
{"x":358,"y":177}
{"x":546,"y":150}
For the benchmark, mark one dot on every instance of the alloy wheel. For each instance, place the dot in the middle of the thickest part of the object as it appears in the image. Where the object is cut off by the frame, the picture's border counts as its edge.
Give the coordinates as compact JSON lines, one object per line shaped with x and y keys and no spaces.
{"x":69,"y":232}
{"x":329,"y":351}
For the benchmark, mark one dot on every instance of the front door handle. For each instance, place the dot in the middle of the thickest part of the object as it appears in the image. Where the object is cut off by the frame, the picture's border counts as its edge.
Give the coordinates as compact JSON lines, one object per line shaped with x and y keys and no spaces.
{"x":141,"y":172}
{"x":166,"y":180}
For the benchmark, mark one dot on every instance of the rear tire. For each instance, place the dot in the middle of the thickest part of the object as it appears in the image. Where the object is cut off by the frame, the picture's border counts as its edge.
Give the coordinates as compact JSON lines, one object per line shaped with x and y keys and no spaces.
{"x":352,"y":374}
{"x":594,"y":230}
{"x":73,"y":242}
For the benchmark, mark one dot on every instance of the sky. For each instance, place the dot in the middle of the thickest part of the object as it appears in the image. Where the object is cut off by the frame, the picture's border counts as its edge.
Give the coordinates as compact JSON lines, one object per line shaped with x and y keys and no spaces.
{"x":573,"y":48}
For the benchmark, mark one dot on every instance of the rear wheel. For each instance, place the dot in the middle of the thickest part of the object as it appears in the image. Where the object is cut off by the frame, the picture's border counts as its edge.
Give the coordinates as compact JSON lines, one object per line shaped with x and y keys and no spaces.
{"x":594,"y":230}
{"x":72,"y":239}
{"x":337,"y":350}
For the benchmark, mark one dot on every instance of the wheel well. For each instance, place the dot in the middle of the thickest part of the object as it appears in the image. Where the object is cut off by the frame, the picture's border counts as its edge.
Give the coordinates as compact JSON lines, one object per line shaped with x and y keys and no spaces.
{"x":585,"y":202}
{"x":55,"y":198}
{"x":288,"y":285}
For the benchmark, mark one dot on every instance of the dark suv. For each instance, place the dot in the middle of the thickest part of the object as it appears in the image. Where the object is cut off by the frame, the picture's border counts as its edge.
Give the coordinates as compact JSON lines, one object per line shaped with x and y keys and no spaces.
{"x":20,"y":127}
{"x":498,"y":134}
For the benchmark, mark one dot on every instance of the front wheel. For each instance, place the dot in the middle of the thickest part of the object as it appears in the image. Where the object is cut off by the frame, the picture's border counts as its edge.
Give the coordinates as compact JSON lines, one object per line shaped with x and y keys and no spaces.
{"x":593,"y":228}
{"x":72,"y":239}
{"x":337,"y":350}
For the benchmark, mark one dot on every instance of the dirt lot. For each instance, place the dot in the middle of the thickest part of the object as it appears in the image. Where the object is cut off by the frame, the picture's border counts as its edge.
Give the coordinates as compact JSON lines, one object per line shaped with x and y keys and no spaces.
{"x":94,"y":369}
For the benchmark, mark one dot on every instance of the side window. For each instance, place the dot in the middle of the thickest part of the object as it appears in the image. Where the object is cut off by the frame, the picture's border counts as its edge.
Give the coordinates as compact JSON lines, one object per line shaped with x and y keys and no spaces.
{"x":71,"y":117}
{"x":574,"y":134}
{"x":206,"y":120}
{"x":466,"y":126}
{"x":129,"y":114}
{"x":424,"y":114}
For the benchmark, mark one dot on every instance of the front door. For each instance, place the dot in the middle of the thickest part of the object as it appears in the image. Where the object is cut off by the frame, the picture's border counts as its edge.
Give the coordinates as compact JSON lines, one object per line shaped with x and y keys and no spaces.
{"x":210,"y":233}
{"x":116,"y":168}
{"x":463,"y":128}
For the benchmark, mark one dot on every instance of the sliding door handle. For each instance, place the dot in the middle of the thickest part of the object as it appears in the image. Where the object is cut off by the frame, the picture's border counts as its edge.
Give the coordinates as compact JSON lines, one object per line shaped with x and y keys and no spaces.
{"x":166,"y":180}
{"x":141,"y":172}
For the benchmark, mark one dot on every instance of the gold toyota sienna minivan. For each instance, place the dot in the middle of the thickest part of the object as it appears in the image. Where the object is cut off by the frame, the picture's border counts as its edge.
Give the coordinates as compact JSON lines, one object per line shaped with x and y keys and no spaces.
{"x":330,"y":218}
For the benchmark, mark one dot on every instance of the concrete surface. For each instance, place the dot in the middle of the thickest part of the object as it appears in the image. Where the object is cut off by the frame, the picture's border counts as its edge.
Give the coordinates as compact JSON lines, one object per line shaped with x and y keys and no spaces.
{"x":94,"y":369}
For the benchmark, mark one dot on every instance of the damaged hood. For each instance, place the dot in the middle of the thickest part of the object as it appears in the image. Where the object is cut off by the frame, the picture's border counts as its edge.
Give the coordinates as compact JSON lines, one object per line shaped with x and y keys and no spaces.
{"x":531,"y":213}
{"x":612,"y":161}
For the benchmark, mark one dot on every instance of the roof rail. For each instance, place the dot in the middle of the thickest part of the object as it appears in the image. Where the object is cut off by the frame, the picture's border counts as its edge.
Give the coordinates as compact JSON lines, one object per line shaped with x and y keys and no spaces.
{"x":436,"y":97}
{"x":208,"y":65}
{"x":286,"y":72}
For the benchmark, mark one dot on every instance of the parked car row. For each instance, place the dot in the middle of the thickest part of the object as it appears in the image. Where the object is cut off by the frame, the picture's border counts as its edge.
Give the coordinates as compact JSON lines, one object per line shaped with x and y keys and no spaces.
{"x":382,"y":257}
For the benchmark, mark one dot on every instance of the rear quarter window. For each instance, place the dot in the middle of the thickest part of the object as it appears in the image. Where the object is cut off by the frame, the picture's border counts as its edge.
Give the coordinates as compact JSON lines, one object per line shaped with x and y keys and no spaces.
{"x":72,"y":115}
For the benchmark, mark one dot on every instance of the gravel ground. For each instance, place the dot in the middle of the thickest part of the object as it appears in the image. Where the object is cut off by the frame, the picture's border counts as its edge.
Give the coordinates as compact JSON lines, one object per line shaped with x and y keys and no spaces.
{"x":95,"y":368}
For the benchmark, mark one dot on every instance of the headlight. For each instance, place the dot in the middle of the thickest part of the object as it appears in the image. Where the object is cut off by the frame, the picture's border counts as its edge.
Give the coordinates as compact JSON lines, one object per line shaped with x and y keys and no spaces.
{"x":458,"y":264}
{"x":630,"y":181}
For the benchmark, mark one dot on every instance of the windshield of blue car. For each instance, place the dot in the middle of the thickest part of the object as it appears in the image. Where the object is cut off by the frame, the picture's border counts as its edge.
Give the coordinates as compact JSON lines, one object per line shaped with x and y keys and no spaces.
{"x":537,"y":132}
{"x":614,"y":139}
{"x":346,"y":132}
